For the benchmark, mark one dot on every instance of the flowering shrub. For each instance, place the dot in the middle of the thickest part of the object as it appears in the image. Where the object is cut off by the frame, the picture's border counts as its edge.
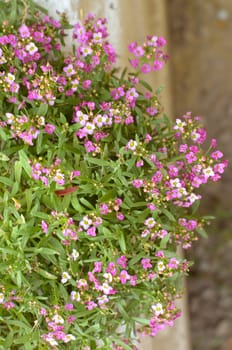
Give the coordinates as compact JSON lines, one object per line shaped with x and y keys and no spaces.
{"x":98,"y":188}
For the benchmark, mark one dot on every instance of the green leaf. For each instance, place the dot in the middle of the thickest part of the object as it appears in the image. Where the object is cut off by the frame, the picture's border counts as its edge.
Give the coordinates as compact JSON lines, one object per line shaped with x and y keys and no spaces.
{"x":97,"y":161}
{"x":169,"y":215}
{"x":3,"y":157}
{"x":8,"y":341}
{"x":164,"y":241}
{"x":141,"y":320}
{"x":159,"y":90}
{"x":108,"y":196}
{"x":18,"y":171}
{"x":25,"y":162}
{"x":42,"y":109}
{"x":202,"y":232}
{"x":86,"y":203}
{"x":146,"y":85}
{"x":6,"y":181}
{"x":122,"y":242}
{"x":33,"y":335}
{"x":46,"y":274}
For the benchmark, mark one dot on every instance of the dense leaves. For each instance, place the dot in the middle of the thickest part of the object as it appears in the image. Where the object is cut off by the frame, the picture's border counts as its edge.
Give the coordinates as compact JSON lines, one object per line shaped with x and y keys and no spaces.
{"x":98,"y":188}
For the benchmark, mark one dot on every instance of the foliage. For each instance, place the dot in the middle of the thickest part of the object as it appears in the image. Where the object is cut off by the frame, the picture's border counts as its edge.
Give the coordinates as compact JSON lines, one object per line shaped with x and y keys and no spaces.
{"x":98,"y":188}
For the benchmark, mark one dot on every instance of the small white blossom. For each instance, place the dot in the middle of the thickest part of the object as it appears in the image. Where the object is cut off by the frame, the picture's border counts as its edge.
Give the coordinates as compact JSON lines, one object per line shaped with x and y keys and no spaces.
{"x":1,"y":298}
{"x":89,"y":128}
{"x":86,"y":222}
{"x":150,"y":222}
{"x":68,"y":338}
{"x":179,"y":125}
{"x":75,"y":296}
{"x":75,"y":255}
{"x":31,"y":48}
{"x":58,"y":319}
{"x":208,"y":172}
{"x":132,"y":145}
{"x":65,"y":277}
{"x":160,"y":266}
{"x":106,"y":288}
{"x":10,"y":78}
{"x":158,"y":309}
{"x":175,"y":183}
{"x":108,"y":277}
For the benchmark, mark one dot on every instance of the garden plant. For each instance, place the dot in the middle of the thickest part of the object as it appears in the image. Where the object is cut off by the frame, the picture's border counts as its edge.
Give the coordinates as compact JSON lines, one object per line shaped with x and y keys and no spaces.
{"x":99,"y":189}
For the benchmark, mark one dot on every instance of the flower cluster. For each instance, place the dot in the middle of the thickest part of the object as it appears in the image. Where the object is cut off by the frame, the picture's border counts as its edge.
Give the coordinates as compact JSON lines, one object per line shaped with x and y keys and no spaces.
{"x":98,"y":188}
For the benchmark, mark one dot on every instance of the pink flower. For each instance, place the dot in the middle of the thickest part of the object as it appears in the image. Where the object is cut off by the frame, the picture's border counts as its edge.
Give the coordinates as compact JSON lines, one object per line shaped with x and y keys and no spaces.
{"x":104,"y":209}
{"x":91,"y":305}
{"x":122,"y":261}
{"x":24,"y":31}
{"x":111,"y":268}
{"x":137,"y":183}
{"x":190,"y":157}
{"x":97,"y":266}
{"x":146,"y":263}
{"x":49,"y":129}
{"x":217,"y":155}
{"x":120,"y":216}
{"x":139,"y":163}
{"x":146,"y":68}
{"x":152,"y":110}
{"x":124,"y":276}
{"x":91,"y":231}
{"x":44,"y":226}
{"x":68,"y":307}
{"x":157,"y":65}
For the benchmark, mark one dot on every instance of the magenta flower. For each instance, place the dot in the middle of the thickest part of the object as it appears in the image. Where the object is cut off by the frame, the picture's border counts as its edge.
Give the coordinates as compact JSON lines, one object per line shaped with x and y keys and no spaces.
{"x":146,"y":263}
{"x":124,"y":276}
{"x":122,"y":261}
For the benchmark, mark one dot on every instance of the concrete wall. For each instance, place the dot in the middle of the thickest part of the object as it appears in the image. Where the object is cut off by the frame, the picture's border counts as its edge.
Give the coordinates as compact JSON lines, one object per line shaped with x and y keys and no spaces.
{"x":132,"y":20}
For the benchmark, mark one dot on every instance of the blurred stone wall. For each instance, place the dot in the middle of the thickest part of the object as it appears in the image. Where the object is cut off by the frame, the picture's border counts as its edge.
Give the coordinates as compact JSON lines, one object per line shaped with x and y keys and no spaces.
{"x":201,"y":55}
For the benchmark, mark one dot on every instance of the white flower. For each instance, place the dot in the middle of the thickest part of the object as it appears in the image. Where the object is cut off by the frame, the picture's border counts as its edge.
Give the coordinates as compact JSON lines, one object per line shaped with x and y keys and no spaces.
{"x":86,"y":222}
{"x":89,"y":128}
{"x":100,"y":120}
{"x":208,"y":172}
{"x":160,"y":266}
{"x":175,"y":182}
{"x":193,"y":197}
{"x":31,"y":48}
{"x":97,"y":37}
{"x":51,"y":341}
{"x":10,"y":118}
{"x":106,"y":288}
{"x":58,"y":319}
{"x":1,"y":298}
{"x":158,"y":309}
{"x":65,"y":277}
{"x":9,"y":78}
{"x":68,"y":338}
{"x":81,"y":118}
{"x":86,"y":51}
{"x":195,"y":136}
{"x":132,"y":144}
{"x":150,"y":222}
{"x":75,"y":296}
{"x":179,"y":125}
{"x":75,"y":255}
{"x":108,"y":277}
